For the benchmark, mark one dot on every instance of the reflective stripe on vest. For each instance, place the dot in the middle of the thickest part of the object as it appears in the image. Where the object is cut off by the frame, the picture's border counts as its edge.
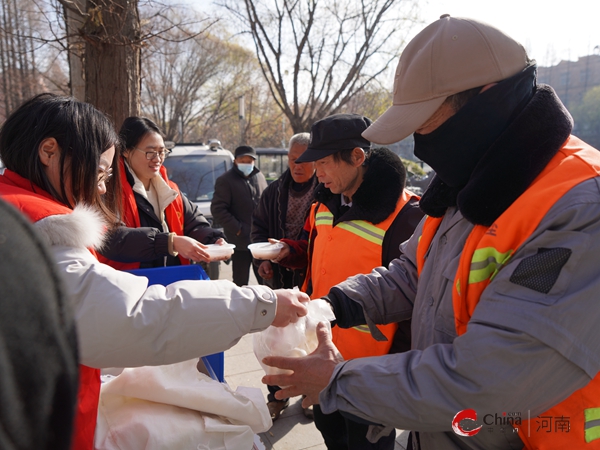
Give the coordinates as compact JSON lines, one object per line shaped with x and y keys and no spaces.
{"x":362,"y":228}
{"x":487,"y":250}
{"x":349,"y":248}
{"x":592,"y":424}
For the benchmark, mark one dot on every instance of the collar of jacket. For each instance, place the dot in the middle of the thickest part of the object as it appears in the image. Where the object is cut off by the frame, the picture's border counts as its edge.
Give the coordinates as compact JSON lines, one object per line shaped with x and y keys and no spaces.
{"x":379,"y":192}
{"x":509,"y":166}
{"x":165,"y":193}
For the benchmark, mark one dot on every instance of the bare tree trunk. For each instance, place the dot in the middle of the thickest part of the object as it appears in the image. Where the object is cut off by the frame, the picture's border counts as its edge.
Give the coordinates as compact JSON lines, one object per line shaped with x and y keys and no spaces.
{"x":112,"y":58}
{"x":74,"y":21}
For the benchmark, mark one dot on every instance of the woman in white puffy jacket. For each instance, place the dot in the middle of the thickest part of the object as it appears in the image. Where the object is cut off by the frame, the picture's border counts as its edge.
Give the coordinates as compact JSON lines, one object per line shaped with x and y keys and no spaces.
{"x":58,"y":154}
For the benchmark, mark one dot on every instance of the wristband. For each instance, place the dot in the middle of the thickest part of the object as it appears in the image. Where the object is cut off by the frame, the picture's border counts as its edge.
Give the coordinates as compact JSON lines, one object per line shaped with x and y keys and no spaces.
{"x":170,"y":245}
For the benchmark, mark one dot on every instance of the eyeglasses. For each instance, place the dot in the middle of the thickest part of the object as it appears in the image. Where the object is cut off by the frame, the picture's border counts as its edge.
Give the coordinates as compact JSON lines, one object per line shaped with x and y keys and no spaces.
{"x":104,"y":176}
{"x":163,"y":153}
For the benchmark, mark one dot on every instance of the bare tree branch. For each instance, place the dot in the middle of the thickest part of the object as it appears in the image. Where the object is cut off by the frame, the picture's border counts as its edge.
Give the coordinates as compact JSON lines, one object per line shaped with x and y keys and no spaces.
{"x":316,"y":55}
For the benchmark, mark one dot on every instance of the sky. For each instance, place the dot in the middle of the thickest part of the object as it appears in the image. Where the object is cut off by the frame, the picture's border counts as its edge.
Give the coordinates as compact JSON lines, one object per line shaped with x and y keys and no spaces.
{"x":550,"y":30}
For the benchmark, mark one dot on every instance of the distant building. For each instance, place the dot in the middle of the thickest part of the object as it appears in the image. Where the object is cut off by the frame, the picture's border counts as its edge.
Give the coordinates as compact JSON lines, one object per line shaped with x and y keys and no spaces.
{"x":572,"y":79}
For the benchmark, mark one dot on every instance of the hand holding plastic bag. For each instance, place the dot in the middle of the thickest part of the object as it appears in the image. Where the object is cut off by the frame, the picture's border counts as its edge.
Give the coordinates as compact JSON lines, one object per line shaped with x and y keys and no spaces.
{"x":294,"y":340}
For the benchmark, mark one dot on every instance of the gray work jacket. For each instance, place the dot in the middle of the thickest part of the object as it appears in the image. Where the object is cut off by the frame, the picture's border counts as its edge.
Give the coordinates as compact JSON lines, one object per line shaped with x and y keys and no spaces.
{"x":524,"y":350}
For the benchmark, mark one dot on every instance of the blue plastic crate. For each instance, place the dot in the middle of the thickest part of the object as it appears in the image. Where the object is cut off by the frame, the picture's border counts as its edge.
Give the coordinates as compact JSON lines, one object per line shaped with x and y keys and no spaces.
{"x":215,"y":364}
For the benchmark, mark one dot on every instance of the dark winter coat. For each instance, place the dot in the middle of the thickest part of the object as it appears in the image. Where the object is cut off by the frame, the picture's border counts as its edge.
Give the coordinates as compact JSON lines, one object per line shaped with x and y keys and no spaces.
{"x":38,"y":342}
{"x":269,"y":220}
{"x":233,"y":203}
{"x":148,"y":244}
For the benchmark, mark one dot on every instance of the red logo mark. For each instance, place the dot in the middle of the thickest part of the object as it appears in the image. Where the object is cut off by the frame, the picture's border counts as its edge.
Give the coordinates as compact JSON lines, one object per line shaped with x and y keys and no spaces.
{"x":465,"y":414}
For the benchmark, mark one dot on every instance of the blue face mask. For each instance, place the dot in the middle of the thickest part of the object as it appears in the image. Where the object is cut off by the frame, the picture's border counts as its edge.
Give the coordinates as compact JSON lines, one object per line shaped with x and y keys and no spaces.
{"x":246,"y":169}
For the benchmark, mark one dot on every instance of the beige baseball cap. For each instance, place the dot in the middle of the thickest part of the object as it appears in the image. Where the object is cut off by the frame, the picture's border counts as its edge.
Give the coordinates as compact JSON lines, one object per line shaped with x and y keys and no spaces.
{"x":449,"y":56}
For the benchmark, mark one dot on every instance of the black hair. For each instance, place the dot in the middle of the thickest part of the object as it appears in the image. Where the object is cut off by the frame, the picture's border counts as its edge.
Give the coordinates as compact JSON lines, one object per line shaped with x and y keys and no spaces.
{"x":457,"y":101}
{"x":134,"y":129}
{"x":81,"y":131}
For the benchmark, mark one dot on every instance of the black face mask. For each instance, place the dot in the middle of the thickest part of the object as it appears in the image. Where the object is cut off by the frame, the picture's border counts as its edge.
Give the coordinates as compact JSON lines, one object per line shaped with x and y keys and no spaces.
{"x":455,"y":147}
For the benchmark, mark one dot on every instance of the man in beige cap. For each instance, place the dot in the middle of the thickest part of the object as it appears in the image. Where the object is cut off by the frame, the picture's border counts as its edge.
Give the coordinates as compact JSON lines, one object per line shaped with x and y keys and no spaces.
{"x":501,"y":279}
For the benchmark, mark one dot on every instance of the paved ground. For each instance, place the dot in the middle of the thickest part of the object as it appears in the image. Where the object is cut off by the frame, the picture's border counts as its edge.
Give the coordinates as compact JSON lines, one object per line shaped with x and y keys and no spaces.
{"x":292,"y":431}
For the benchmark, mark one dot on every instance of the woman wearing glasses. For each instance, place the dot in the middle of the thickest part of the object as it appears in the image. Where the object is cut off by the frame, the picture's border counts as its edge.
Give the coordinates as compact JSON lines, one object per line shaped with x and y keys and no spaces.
{"x":162,"y":227}
{"x":58,"y":153}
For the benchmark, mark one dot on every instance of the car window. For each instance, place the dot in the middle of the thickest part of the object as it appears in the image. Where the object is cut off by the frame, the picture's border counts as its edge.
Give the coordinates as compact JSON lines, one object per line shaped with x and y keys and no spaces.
{"x":272,"y":165}
{"x":196,"y":174}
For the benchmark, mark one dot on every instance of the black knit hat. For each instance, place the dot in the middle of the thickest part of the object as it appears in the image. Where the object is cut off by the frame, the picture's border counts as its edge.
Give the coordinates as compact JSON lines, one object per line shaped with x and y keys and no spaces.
{"x":245,"y":150}
{"x":335,"y":133}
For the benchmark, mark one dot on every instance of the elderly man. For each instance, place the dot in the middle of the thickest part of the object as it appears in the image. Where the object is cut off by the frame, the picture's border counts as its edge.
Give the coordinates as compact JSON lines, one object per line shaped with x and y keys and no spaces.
{"x":501,"y":279}
{"x":362,"y":215}
{"x":281,"y":213}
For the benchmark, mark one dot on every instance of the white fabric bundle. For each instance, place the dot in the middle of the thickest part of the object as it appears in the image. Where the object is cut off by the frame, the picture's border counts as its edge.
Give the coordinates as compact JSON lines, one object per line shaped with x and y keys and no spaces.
{"x":176,"y":407}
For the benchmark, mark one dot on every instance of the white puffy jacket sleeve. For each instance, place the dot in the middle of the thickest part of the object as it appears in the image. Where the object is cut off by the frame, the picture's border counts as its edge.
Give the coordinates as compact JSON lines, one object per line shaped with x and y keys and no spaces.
{"x":123,"y":322}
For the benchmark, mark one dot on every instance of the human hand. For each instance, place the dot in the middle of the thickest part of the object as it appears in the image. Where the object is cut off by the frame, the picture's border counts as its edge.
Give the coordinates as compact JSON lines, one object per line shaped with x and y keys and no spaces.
{"x":290,"y":306}
{"x":190,"y":248}
{"x":310,"y":374}
{"x":265,"y":270}
{"x":283,"y":253}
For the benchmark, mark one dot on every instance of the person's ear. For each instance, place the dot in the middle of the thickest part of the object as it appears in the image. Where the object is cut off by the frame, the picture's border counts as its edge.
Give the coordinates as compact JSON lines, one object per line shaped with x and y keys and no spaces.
{"x":48,"y":151}
{"x":358,"y":156}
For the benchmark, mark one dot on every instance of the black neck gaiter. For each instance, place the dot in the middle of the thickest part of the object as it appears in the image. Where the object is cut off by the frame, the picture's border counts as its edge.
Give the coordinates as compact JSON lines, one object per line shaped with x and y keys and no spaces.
{"x":455,"y":147}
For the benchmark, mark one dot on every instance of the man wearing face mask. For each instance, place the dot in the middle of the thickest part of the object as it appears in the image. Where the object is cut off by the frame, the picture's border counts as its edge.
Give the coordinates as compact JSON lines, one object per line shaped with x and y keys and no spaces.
{"x":237,"y":193}
{"x":501,"y":279}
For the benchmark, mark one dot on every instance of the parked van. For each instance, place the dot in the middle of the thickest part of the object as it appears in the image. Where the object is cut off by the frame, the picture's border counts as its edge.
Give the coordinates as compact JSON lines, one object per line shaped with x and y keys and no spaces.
{"x":195,"y":168}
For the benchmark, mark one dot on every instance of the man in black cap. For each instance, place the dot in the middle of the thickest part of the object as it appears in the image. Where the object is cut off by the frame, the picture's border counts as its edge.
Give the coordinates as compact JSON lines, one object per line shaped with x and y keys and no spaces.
{"x":237,"y":193}
{"x":362,"y":215}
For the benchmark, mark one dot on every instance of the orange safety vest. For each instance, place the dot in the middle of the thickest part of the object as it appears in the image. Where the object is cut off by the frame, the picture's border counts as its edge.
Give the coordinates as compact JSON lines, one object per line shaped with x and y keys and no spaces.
{"x":488,"y":249}
{"x":340,"y":252}
{"x":174,"y":215}
{"x":38,"y":205}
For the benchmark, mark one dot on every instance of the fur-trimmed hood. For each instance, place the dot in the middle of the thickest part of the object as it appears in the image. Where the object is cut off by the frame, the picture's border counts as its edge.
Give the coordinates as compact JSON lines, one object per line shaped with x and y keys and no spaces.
{"x":378,"y":194}
{"x":509,"y":166}
{"x":83,"y":228}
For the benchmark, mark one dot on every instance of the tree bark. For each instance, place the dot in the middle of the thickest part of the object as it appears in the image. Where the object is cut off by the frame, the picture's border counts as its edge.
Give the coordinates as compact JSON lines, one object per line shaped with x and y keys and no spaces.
{"x":74,"y":21}
{"x":112,"y":58}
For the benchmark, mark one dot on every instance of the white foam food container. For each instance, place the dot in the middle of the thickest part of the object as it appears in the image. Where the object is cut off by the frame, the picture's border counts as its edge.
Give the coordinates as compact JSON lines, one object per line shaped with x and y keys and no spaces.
{"x":218,"y":251}
{"x":265,"y":250}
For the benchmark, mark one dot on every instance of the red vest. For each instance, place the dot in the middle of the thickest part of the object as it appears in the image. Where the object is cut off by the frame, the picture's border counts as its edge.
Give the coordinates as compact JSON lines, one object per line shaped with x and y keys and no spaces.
{"x":174,"y":215}
{"x":573,"y":164}
{"x":339,"y":252}
{"x":38,"y":205}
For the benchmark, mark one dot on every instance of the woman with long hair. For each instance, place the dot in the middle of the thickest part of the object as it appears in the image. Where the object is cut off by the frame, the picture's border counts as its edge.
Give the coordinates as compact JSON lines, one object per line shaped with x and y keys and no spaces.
{"x":59,"y":155}
{"x":161,"y":226}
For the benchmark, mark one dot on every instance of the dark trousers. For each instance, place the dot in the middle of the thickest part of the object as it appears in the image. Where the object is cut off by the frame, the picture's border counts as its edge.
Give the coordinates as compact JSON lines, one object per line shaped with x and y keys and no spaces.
{"x":271,"y":396}
{"x":241,"y":262}
{"x":341,"y":433}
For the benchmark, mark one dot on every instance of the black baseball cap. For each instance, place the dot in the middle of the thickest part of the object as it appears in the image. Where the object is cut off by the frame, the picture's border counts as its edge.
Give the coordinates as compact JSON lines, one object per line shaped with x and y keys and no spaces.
{"x":335,"y":133}
{"x":245,"y":150}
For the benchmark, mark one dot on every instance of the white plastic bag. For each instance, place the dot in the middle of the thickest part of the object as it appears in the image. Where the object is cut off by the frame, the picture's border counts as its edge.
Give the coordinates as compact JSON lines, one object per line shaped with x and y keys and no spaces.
{"x":296,"y":339}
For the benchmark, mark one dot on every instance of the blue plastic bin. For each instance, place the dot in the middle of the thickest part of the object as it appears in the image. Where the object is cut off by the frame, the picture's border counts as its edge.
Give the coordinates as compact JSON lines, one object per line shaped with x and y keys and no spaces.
{"x":215,"y":364}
